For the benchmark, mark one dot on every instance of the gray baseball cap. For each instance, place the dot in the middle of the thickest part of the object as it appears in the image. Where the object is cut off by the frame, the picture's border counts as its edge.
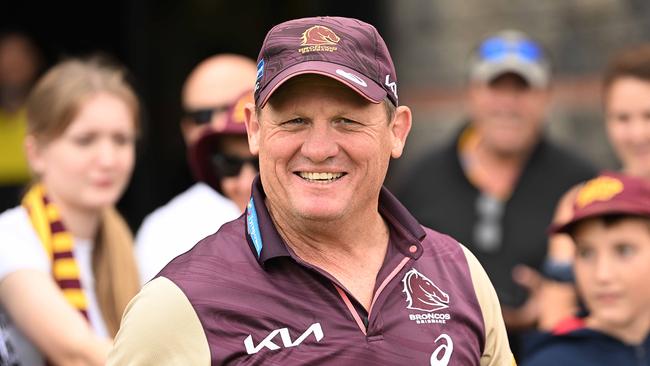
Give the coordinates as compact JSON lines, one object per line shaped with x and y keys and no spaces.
{"x":510,"y":51}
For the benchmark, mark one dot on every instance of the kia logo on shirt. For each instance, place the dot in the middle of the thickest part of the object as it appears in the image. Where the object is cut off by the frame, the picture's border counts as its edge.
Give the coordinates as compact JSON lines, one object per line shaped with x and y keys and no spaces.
{"x":285,"y":338}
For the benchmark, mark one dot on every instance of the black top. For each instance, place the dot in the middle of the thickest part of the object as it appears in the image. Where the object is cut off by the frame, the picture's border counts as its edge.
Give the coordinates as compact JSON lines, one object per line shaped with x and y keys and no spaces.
{"x":440,"y":196}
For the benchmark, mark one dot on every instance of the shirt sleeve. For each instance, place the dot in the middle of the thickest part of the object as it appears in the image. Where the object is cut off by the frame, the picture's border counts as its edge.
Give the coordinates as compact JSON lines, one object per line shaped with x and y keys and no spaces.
{"x":20,"y":248}
{"x":160,"y":327}
{"x":497,"y":350}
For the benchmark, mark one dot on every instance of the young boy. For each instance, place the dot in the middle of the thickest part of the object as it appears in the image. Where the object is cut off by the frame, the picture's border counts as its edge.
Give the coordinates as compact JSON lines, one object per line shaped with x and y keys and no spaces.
{"x":611,"y":230}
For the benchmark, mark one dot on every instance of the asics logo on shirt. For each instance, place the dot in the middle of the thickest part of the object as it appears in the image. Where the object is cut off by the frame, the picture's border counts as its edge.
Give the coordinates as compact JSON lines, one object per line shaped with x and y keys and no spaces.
{"x":268,"y":342}
{"x":442,"y":354}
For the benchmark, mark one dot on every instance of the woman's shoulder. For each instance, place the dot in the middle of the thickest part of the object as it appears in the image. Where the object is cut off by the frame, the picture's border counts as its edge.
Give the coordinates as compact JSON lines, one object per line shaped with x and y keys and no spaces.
{"x":15,"y":223}
{"x":20,"y":247}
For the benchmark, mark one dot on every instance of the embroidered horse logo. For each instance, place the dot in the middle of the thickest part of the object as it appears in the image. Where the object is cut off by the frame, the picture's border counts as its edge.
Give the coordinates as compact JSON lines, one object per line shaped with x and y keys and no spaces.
{"x":319,"y":35}
{"x":422,"y":293}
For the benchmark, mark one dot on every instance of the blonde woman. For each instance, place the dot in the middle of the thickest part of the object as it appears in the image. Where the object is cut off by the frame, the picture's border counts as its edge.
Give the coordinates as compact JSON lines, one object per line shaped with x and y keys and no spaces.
{"x":66,"y":264}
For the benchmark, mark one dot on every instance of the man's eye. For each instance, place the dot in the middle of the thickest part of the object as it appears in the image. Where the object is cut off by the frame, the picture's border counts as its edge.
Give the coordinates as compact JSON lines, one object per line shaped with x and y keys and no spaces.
{"x":347,"y":122}
{"x":295,"y":121}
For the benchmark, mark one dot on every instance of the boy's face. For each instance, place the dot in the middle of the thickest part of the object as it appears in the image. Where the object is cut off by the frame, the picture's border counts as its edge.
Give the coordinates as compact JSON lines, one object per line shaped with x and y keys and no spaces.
{"x":612,"y":269}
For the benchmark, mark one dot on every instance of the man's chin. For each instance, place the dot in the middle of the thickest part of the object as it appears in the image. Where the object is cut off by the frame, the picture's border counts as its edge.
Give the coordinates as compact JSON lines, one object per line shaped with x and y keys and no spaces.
{"x":320,"y":214}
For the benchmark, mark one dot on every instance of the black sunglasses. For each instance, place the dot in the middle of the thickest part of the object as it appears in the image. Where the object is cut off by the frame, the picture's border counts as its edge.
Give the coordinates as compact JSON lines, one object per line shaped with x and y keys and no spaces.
{"x":204,"y":115}
{"x":231,"y":165}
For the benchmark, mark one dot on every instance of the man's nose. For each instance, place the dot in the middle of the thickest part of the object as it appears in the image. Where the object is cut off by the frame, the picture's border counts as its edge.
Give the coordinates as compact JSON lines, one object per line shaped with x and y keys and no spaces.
{"x":320,"y":143}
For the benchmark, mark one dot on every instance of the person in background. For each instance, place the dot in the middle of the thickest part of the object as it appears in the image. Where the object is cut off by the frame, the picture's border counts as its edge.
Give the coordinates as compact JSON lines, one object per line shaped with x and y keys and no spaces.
{"x":495,"y":185}
{"x":67,"y":268}
{"x":610,"y":228}
{"x":20,"y":63}
{"x":213,"y":127}
{"x":625,"y":95}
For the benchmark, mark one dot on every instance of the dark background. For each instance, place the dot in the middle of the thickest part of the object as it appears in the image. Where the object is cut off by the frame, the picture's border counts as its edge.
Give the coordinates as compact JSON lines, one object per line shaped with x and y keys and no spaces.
{"x":160,"y":42}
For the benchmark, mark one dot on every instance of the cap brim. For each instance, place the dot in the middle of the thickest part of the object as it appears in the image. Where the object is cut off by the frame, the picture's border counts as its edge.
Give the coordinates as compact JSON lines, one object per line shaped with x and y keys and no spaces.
{"x":533,"y":73}
{"x":364,"y":86}
{"x":598,"y":210}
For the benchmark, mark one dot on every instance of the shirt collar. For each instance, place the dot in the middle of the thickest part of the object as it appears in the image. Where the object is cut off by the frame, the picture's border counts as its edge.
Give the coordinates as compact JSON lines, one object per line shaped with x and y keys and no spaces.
{"x":266,"y":243}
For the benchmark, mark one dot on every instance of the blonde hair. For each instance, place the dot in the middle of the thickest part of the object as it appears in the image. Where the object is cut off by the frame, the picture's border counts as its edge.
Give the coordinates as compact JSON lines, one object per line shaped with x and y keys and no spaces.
{"x":60,"y":93}
{"x":51,"y":107}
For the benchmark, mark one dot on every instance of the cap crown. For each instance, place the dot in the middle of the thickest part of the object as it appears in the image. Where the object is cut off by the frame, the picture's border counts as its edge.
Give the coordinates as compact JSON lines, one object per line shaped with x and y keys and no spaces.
{"x":353,"y":45}
{"x":609,"y":194}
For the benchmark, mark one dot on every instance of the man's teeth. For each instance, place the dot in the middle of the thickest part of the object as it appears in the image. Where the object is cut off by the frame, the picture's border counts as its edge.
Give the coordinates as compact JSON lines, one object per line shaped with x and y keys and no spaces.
{"x":320,"y":176}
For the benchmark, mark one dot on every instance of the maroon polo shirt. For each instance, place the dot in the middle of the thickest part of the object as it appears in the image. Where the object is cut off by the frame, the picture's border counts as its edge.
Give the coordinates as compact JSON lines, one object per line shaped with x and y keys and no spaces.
{"x":260,"y":304}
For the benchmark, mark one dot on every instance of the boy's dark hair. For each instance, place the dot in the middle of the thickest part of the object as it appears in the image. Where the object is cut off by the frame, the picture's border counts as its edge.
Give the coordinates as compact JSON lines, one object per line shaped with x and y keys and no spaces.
{"x":608,"y":221}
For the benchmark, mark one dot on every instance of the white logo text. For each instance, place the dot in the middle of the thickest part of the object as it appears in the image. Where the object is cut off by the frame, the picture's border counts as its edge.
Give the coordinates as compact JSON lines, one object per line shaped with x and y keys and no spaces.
{"x":314,"y":329}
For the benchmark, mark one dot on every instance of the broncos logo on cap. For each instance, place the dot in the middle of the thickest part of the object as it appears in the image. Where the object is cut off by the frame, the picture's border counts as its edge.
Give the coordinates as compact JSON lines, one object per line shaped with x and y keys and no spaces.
{"x":422,"y":293}
{"x":598,"y":189}
{"x":319,"y":35}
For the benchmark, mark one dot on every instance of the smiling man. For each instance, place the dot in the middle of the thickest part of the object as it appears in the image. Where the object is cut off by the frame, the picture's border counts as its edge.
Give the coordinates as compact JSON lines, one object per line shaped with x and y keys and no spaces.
{"x":326,"y":267}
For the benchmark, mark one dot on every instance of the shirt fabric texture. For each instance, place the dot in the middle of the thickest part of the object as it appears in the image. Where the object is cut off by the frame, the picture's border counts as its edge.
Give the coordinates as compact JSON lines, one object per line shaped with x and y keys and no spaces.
{"x":242,"y":297}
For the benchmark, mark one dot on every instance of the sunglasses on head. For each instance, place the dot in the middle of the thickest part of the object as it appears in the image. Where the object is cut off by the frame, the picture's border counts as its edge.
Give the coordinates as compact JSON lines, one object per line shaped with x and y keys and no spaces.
{"x":231,"y":165}
{"x":204,"y":115}
{"x":497,"y":48}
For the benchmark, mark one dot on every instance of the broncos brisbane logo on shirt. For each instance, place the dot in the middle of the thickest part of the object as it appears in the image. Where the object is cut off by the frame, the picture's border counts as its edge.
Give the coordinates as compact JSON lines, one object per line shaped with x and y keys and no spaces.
{"x":422,"y":293}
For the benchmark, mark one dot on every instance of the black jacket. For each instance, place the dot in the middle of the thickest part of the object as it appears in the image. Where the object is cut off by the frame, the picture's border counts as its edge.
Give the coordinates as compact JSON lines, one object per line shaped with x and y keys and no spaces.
{"x":440,"y":196}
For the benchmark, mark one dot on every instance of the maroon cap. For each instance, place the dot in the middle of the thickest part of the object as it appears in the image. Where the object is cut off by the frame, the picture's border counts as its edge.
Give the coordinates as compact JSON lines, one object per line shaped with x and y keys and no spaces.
{"x":345,"y":49}
{"x":609,"y":193}
{"x":200,"y":153}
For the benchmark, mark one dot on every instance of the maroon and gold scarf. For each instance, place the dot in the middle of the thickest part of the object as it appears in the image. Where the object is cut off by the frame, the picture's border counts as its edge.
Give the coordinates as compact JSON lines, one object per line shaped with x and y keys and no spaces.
{"x":58,"y":244}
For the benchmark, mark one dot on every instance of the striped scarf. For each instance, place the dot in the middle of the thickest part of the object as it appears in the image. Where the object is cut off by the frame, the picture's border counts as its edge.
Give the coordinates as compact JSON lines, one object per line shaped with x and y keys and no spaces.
{"x":58,"y":244}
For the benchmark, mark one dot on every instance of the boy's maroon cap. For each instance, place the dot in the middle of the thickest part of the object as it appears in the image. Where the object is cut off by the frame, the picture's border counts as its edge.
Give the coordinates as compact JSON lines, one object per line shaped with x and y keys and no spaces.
{"x":608,"y":194}
{"x":344,"y":49}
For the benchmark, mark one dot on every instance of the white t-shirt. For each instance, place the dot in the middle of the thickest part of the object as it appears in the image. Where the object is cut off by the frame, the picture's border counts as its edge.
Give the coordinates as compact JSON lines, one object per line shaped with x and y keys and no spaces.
{"x":20,"y":248}
{"x":174,"y":228}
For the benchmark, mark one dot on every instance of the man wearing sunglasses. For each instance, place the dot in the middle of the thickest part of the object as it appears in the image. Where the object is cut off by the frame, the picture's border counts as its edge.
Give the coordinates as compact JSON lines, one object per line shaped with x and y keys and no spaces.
{"x":214,"y":96}
{"x":495,"y":186}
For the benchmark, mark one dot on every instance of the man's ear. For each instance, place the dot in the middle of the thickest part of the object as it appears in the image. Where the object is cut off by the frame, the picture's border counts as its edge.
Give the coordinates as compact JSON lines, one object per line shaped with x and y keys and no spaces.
{"x":400,"y":129}
{"x":252,"y":128}
{"x":34,"y":154}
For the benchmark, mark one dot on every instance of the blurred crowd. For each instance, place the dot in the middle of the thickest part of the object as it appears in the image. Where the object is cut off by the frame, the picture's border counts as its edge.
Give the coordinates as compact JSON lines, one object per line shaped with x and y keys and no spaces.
{"x":566,"y":245}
